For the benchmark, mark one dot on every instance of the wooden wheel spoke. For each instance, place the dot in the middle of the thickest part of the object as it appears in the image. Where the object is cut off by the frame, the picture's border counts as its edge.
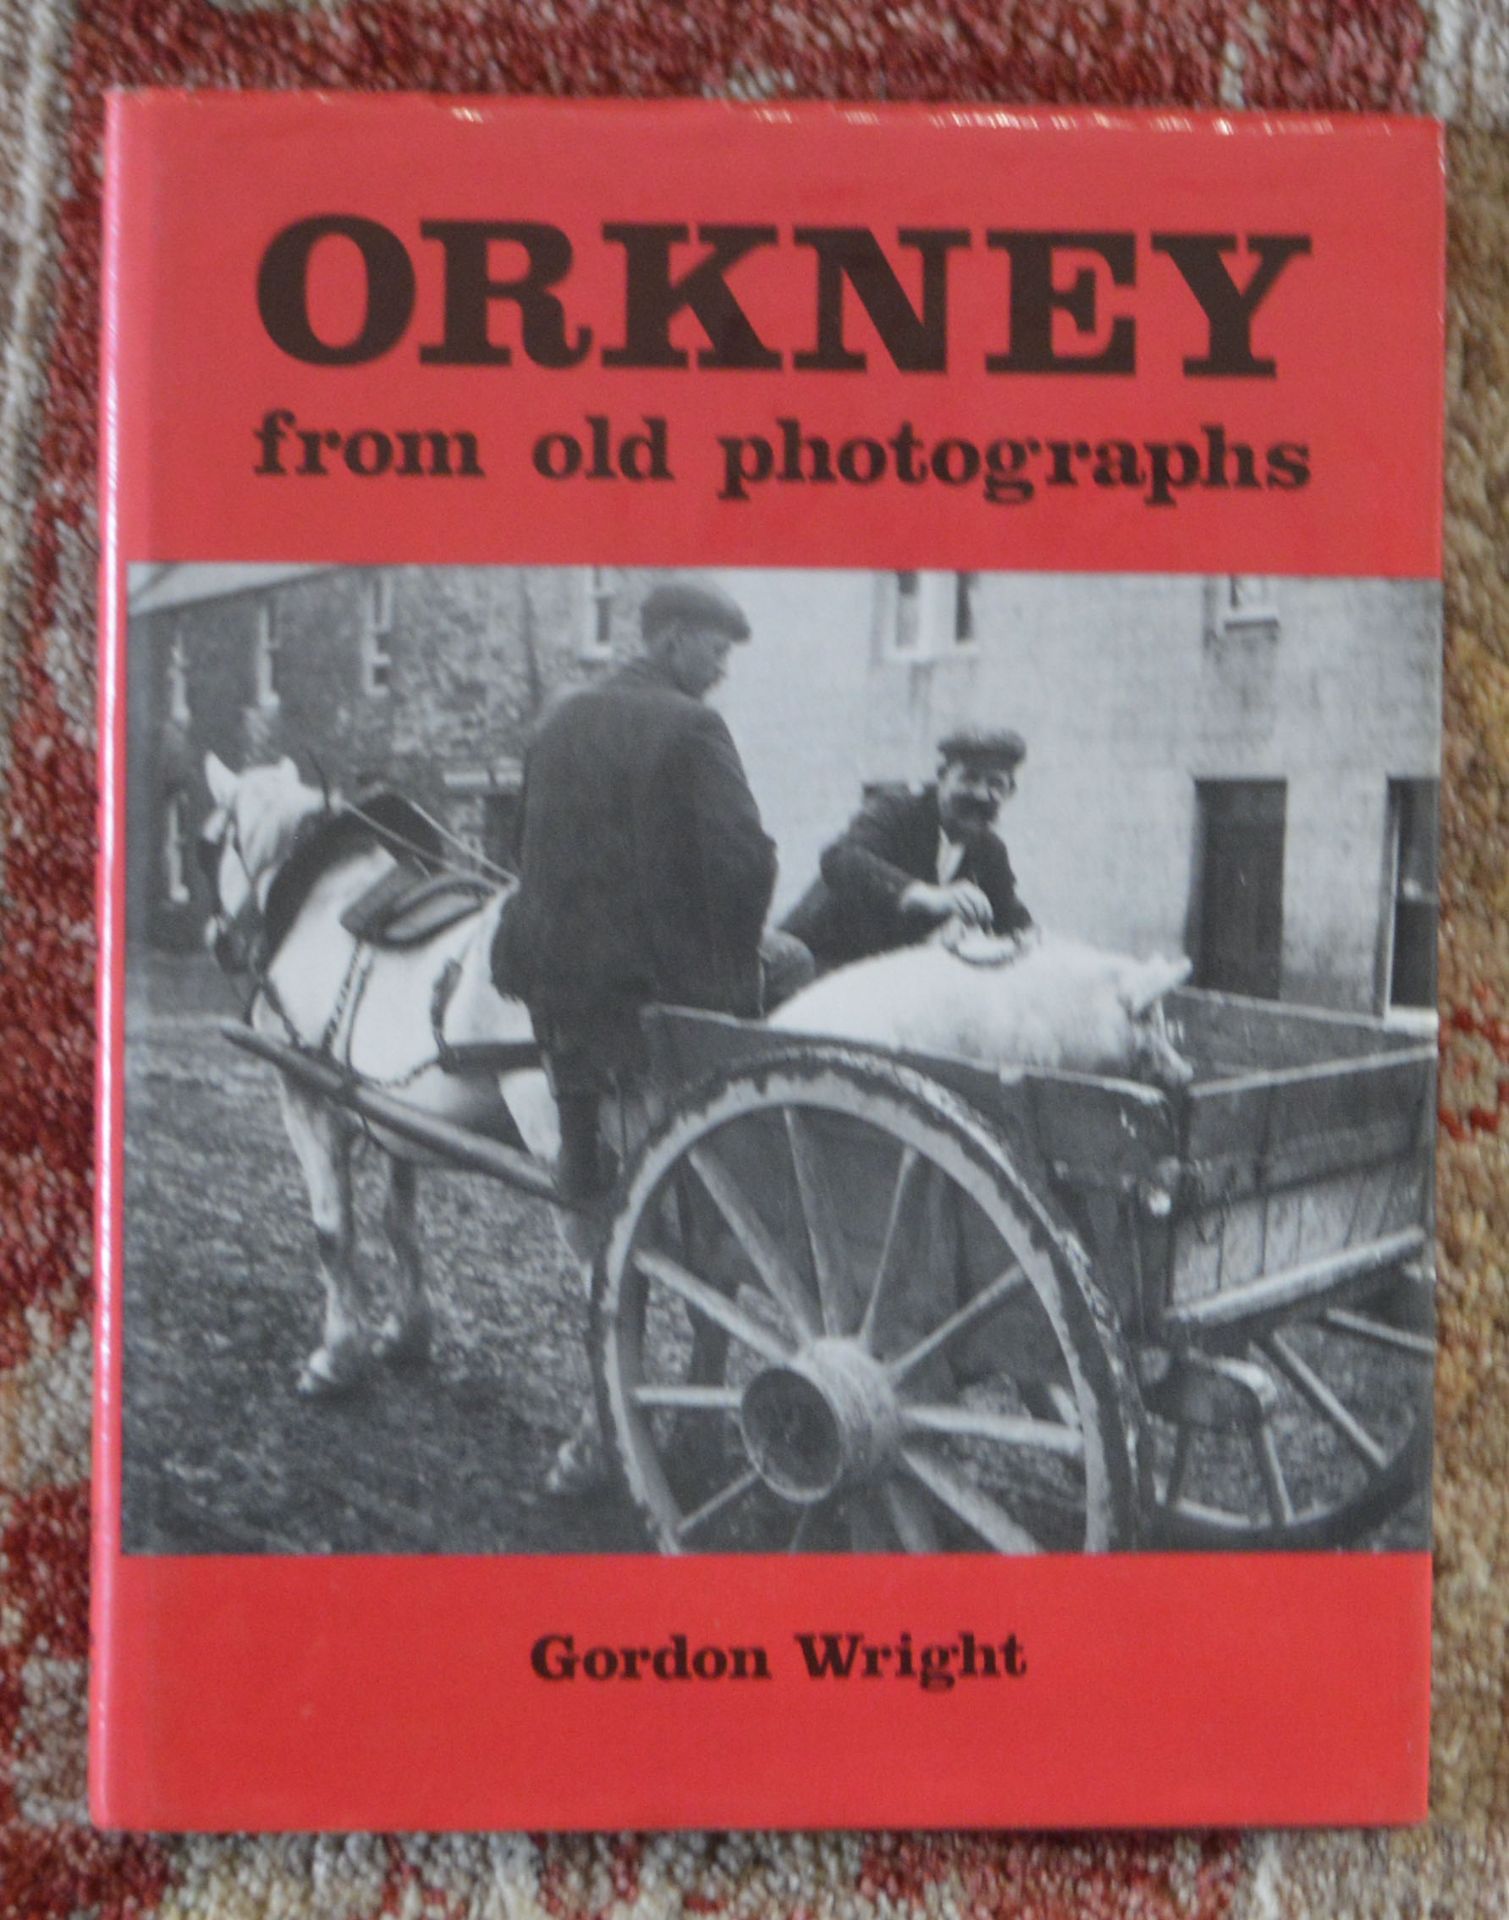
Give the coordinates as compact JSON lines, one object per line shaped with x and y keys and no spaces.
{"x":972,"y":1314}
{"x":911,"y":1516}
{"x":1324,"y":1401}
{"x":825,"y":1238}
{"x":802,"y":1532}
{"x":721,"y":1501}
{"x":1400,"y":1339}
{"x":845,"y":1231}
{"x":756,"y":1240}
{"x":869,"y":1530}
{"x":1220,"y":1521}
{"x":1183,"y":1438}
{"x":711,"y":1304}
{"x":976,"y":1509}
{"x":1275,"y":1487}
{"x":670,"y":1215}
{"x":910,"y":1171}
{"x":1001,"y":1429}
{"x":688,"y":1399}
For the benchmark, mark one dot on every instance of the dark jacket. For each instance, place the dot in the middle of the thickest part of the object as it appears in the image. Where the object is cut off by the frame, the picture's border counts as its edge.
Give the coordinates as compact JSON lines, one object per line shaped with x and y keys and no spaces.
{"x":854,"y":908}
{"x":645,"y":874}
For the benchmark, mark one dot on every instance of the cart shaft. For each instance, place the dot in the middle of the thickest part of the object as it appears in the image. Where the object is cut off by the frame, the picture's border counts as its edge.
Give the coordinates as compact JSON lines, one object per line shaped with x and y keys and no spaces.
{"x":459,"y":1146}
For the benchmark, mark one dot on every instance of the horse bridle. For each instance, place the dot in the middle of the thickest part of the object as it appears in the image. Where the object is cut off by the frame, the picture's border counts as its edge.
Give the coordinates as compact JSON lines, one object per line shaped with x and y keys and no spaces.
{"x":239,"y":945}
{"x":229,"y":928}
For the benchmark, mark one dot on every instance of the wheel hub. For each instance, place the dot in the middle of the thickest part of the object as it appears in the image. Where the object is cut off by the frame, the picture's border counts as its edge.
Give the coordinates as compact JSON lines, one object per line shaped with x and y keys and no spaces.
{"x":822,"y":1419}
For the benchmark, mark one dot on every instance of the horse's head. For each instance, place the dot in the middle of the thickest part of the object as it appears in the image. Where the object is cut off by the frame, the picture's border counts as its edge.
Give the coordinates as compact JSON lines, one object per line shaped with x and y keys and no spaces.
{"x":249,"y":831}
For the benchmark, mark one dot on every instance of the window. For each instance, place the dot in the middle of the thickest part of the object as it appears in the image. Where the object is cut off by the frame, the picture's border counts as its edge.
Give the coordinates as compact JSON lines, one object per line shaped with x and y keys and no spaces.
{"x":265,"y":650}
{"x":377,"y":635}
{"x":1410,"y":902}
{"x":965,"y":585}
{"x":1240,"y":886}
{"x":906,"y":635}
{"x":1240,"y":606}
{"x":597,"y":627}
{"x":933,"y":613}
{"x":1248,"y":594}
{"x":380,"y":603}
{"x":174,"y":849}
{"x":178,"y":681}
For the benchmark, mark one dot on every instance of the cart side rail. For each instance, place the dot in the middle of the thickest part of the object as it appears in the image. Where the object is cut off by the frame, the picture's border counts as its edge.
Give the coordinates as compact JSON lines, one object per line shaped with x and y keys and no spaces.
{"x":1265,"y":1131}
{"x":1295,"y":1186}
{"x":1091,"y":1133}
{"x":455,"y":1146}
{"x":1226,"y":1034}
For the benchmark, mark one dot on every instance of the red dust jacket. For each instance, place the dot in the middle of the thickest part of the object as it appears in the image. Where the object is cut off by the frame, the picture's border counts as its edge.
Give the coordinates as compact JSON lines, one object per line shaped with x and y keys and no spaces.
{"x":1004,"y":1393}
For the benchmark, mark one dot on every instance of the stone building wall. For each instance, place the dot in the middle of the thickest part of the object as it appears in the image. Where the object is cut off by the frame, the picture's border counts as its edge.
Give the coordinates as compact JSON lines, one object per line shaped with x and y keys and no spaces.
{"x":440,"y":704}
{"x":1131,"y":691}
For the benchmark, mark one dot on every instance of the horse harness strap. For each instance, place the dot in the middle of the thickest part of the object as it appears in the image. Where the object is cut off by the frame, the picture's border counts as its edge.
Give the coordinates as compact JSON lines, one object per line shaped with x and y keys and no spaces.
{"x":468,"y":1057}
{"x":406,"y":907}
{"x":353,"y":986}
{"x":380,"y":819}
{"x":263,"y":988}
{"x":473,"y":1056}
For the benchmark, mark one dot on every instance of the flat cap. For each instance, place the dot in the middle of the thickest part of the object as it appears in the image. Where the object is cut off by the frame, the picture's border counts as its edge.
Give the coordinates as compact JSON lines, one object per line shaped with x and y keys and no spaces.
{"x":698,"y":602}
{"x":984,"y":746}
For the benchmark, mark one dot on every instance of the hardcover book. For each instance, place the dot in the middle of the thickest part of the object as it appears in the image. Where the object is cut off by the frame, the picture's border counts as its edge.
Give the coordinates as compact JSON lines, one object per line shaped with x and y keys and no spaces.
{"x":768,"y":910}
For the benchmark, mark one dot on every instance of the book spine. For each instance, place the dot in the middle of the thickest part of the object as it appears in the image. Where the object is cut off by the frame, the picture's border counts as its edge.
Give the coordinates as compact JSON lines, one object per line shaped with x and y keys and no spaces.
{"x":110,"y":882}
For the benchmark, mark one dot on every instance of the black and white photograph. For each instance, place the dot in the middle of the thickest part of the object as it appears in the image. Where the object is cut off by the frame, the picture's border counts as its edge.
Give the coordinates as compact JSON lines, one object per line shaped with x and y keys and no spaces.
{"x":774,"y":1060}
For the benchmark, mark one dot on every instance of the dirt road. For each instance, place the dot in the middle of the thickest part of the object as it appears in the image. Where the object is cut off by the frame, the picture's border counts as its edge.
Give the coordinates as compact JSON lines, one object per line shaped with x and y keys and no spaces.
{"x":223,"y":1302}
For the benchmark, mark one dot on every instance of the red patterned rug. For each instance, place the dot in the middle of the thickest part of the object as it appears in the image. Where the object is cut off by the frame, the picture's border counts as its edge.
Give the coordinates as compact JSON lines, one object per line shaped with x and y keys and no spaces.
{"x":1333,"y":55}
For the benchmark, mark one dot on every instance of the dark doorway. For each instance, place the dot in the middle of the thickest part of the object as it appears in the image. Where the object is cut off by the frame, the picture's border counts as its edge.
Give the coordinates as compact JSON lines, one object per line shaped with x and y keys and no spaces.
{"x":1414,"y":835}
{"x":1241,"y":886}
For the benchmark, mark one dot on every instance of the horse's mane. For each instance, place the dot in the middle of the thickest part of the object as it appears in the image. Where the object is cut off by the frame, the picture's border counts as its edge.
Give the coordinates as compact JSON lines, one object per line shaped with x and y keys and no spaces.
{"x":270,"y":809}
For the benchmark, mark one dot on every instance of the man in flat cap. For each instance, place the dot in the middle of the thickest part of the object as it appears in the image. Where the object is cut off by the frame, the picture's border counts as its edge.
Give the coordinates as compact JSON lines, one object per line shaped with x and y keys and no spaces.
{"x":910,"y":862}
{"x":644,"y":876}
{"x":644,"y":871}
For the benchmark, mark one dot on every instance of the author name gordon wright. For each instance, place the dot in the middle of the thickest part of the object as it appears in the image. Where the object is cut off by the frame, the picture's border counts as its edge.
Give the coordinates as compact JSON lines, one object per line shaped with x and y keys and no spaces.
{"x":934,"y":1665}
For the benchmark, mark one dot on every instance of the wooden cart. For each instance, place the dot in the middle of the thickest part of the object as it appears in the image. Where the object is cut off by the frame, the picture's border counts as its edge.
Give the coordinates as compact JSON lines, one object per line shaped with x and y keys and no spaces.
{"x":853,"y":1300}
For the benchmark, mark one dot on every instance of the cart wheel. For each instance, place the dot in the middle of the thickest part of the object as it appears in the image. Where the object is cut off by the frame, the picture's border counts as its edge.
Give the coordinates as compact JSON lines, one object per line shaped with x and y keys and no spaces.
{"x":1315,"y":1433}
{"x":829,"y":1316}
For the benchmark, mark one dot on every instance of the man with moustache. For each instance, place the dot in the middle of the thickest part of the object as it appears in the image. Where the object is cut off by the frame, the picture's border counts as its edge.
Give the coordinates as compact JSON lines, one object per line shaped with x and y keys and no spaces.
{"x":911,"y":862}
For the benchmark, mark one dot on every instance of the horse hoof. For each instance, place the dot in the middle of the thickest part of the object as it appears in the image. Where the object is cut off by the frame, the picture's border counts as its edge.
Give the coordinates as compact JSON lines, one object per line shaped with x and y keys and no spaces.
{"x":326,"y":1376}
{"x":403,"y":1343}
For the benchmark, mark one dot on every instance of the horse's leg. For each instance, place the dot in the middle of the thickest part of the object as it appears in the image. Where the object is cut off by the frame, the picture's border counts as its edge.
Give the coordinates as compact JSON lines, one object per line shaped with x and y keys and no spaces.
{"x":404,"y":1336}
{"x":323,"y":1145}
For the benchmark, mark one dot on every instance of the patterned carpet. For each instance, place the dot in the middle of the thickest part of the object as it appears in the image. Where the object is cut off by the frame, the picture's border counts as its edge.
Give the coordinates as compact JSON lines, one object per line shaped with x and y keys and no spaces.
{"x":56,"y":59}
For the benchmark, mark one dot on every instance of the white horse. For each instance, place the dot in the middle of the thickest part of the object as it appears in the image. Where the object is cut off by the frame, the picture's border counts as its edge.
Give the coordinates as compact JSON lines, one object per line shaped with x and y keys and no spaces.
{"x":370,"y":1009}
